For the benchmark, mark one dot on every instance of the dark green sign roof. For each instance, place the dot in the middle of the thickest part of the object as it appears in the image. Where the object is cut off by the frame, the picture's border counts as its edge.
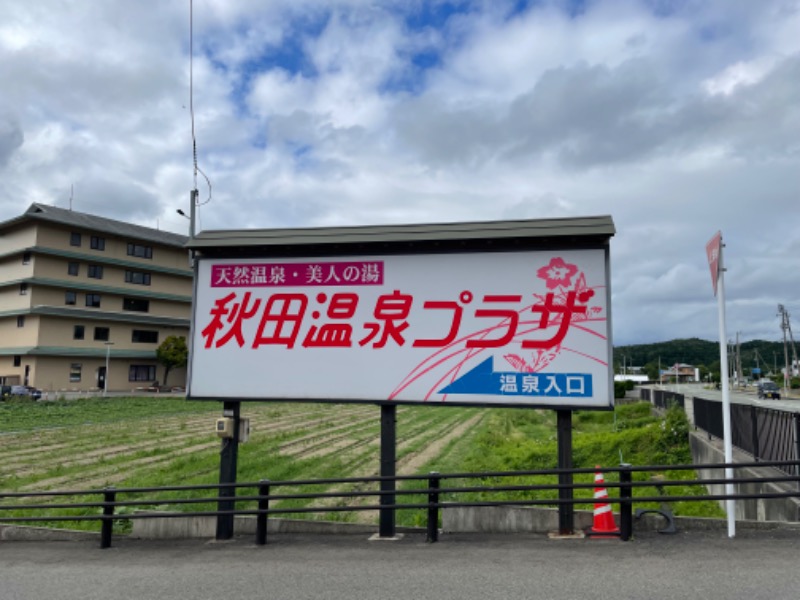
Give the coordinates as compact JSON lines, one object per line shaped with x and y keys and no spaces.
{"x":479,"y":235}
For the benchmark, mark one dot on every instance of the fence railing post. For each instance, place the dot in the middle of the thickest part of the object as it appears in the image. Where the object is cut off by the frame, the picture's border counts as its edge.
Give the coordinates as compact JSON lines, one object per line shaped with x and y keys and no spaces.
{"x":107,"y":527}
{"x":433,"y":510}
{"x":263,"y":506}
{"x":796,"y":418}
{"x":754,"y":433}
{"x":625,"y":505}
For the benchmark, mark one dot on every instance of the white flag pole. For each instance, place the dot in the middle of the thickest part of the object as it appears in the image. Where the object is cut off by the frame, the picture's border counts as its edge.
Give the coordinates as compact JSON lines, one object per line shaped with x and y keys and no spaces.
{"x":730,"y":504}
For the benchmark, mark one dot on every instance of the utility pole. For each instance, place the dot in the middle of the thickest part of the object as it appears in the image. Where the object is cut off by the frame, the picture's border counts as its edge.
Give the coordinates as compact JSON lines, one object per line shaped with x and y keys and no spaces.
{"x":660,"y":374}
{"x":739,"y":374}
{"x":731,"y":361}
{"x":787,"y":329}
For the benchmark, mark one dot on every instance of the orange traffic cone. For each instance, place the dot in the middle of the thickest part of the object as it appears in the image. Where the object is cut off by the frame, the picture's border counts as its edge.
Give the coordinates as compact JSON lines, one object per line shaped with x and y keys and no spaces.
{"x":604,"y":525}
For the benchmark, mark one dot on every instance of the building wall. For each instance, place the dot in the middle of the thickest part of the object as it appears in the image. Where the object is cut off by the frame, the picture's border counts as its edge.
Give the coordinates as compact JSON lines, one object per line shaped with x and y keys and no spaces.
{"x":109,"y":302}
{"x":49,"y":281}
{"x":12,"y":267}
{"x":61,"y":332}
{"x":10,"y":374}
{"x":58,"y":238}
{"x":53,"y":374}
{"x":19,"y":236}
{"x":14,"y":336}
{"x":11,"y":299}
{"x":113,"y":274}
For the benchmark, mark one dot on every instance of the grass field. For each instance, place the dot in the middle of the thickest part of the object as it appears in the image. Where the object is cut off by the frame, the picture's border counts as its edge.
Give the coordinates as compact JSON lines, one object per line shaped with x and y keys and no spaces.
{"x":159,"y":441}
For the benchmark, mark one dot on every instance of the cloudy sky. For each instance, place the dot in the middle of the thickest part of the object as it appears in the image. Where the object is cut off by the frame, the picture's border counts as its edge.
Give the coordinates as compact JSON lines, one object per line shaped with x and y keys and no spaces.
{"x":678,"y":118}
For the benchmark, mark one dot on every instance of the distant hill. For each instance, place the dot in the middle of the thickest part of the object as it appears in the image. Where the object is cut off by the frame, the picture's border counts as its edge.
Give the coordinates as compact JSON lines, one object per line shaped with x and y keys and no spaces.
{"x":697,"y":352}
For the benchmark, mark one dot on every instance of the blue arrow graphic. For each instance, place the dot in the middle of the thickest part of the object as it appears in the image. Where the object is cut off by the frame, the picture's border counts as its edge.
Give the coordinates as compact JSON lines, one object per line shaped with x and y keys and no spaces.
{"x":483,"y":380}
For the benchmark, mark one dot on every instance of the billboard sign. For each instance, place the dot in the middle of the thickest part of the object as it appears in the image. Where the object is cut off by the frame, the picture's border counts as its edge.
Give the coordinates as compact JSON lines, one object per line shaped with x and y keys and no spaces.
{"x":511,"y":328}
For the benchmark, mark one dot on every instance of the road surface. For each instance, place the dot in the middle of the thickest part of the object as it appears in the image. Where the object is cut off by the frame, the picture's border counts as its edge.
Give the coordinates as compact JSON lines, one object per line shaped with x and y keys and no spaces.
{"x":460,"y":567}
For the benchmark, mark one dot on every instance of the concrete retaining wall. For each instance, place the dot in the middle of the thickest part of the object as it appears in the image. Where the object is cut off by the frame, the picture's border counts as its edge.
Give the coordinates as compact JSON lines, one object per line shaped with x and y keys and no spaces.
{"x":523,"y":519}
{"x":761,"y":509}
{"x":38,"y":534}
{"x":206,"y":527}
{"x":507,"y":519}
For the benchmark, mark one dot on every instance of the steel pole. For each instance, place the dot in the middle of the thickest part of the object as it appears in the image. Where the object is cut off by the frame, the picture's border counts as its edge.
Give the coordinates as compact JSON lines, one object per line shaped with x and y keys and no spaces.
{"x":228,"y":458}
{"x":566,"y":510}
{"x":730,"y":504}
{"x":388,"y":466}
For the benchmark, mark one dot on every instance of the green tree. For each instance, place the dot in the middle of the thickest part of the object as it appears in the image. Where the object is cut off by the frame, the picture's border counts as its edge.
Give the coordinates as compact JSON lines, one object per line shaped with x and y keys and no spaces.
{"x":651,"y":369}
{"x":715,"y":368}
{"x":172,"y":353}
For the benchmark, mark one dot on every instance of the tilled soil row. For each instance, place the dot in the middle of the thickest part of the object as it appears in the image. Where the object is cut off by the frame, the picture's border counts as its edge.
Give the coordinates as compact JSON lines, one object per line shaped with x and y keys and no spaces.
{"x":406,"y":465}
{"x":40,"y":459}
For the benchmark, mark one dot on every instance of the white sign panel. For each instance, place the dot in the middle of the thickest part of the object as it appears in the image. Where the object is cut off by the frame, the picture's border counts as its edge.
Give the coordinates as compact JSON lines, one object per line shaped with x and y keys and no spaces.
{"x":505,"y":328}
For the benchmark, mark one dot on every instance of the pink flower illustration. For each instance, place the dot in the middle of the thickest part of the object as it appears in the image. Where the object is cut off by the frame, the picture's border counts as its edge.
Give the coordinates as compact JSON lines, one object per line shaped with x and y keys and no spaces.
{"x":557,"y":273}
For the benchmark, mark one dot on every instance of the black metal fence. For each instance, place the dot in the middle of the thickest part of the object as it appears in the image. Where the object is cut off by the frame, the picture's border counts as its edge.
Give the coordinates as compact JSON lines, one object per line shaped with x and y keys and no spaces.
{"x":764,"y":433}
{"x":427,"y":493}
{"x":662,"y":399}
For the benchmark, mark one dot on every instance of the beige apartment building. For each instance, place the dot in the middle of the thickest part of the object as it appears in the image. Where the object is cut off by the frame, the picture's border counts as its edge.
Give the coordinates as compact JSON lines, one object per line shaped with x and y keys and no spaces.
{"x":85,"y":301}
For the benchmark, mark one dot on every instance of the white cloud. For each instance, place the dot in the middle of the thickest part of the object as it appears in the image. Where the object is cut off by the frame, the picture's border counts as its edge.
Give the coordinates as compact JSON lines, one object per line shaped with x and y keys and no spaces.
{"x":678,"y":119}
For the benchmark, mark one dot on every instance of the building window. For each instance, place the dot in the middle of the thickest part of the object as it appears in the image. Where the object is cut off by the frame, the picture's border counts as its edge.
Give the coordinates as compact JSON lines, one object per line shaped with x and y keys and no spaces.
{"x":26,"y":258}
{"x":75,"y":372}
{"x":23,"y":289}
{"x":77,"y":332}
{"x":101,"y":334}
{"x":93,"y":300}
{"x":144,"y":336}
{"x":21,"y":321}
{"x":74,"y":239}
{"x":136,"y":305}
{"x":17,"y":360}
{"x":97,"y":243}
{"x":94,"y":271}
{"x":70,"y":298}
{"x":142,"y":373}
{"x":137,"y":277}
{"x":140,"y":251}
{"x":73,"y":268}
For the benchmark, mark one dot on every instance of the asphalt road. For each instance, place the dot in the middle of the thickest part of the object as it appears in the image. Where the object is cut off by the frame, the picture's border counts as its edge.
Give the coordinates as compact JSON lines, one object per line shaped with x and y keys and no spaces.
{"x":460,"y":567}
{"x":747,"y":396}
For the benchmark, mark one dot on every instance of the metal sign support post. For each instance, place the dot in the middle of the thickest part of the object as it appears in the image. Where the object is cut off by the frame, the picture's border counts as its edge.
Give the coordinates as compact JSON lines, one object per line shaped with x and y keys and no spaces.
{"x":228,"y":456}
{"x":566,"y":510}
{"x":388,"y":466}
{"x":717,"y":266}
{"x":730,"y":503}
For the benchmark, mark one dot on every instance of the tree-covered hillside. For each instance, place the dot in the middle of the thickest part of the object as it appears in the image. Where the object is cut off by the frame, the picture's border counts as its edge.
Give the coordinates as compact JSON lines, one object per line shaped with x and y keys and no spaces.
{"x":768,"y":356}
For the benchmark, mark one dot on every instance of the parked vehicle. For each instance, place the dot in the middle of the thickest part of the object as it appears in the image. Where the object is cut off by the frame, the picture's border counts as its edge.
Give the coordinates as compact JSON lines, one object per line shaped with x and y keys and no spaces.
{"x":25,"y":390}
{"x":768,"y":389}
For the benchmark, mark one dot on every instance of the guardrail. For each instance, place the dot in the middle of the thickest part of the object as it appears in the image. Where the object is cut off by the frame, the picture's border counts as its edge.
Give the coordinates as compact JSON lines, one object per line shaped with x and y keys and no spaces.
{"x":434,"y":487}
{"x":662,"y":399}
{"x":764,"y":433}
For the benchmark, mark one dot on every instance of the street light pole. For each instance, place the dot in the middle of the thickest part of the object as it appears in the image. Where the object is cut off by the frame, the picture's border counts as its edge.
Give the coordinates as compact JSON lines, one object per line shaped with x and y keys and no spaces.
{"x":108,"y":353}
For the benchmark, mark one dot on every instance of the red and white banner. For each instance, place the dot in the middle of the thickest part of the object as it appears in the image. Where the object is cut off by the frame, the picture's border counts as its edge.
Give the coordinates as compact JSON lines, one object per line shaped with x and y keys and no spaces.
{"x":713,"y":250}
